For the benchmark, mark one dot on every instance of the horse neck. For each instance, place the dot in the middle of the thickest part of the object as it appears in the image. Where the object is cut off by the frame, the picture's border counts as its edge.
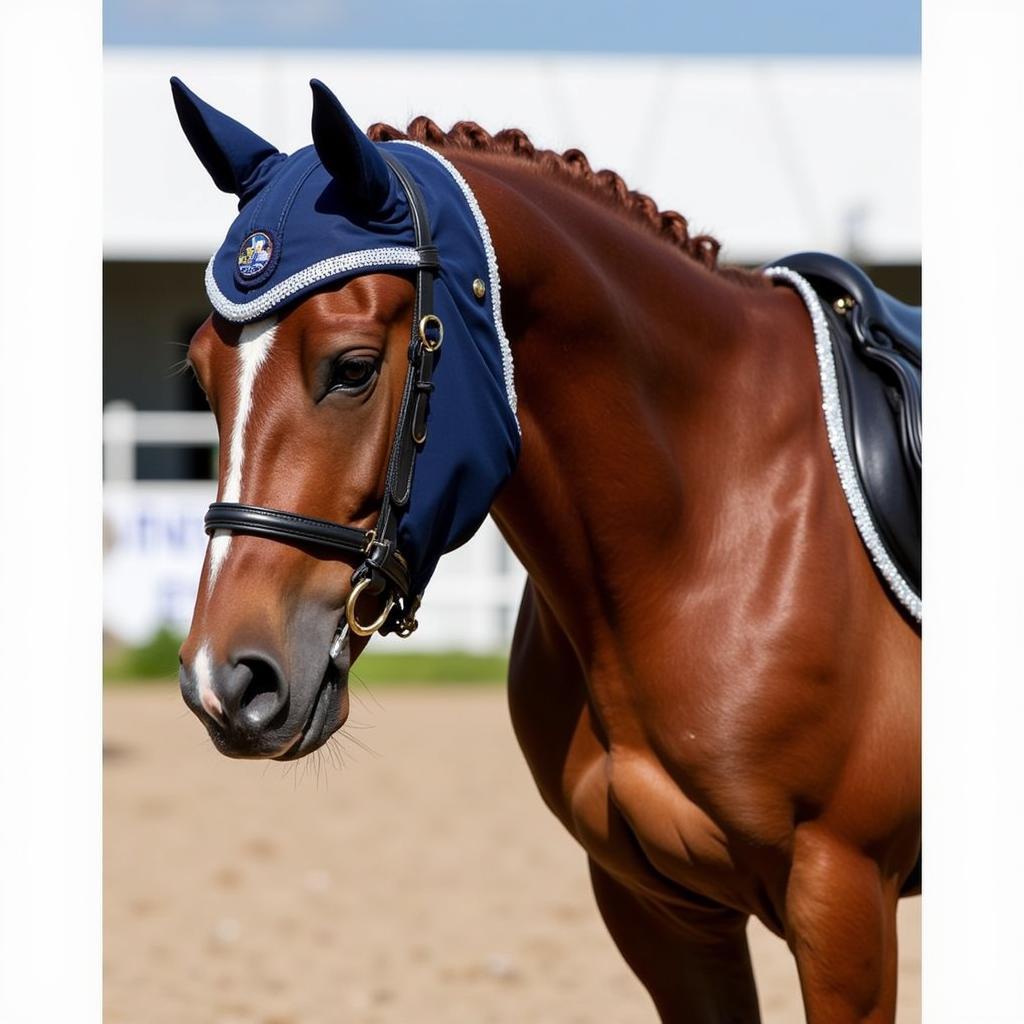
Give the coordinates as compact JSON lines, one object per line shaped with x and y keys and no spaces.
{"x":636,"y":370}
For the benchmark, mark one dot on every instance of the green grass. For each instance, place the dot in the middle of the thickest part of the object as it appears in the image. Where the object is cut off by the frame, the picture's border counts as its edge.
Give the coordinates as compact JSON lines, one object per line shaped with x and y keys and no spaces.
{"x":157,"y":661}
{"x":440,"y":667}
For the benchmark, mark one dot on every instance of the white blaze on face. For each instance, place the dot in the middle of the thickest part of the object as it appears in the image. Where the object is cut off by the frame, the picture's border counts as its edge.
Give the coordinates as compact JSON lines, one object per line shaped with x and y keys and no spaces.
{"x":253,"y":349}
{"x":204,"y":681}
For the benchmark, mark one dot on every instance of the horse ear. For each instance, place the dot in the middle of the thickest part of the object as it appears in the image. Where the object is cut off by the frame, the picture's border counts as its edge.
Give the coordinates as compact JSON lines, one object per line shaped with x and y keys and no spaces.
{"x":349,"y":156}
{"x":238,"y":159}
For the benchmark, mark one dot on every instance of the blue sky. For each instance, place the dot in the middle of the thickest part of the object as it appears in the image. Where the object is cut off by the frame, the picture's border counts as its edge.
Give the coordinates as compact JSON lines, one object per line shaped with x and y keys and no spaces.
{"x":648,"y":26}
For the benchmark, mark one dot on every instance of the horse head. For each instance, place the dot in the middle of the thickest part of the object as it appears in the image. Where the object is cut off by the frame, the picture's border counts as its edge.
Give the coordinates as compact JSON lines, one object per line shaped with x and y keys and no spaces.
{"x":354,"y":449}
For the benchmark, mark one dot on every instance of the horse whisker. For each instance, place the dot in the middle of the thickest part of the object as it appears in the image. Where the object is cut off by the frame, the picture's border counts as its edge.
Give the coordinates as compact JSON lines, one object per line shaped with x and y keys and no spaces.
{"x":359,"y":743}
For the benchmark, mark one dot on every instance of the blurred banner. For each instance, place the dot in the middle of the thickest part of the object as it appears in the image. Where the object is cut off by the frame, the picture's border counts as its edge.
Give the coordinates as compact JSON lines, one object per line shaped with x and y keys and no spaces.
{"x":154,"y":541}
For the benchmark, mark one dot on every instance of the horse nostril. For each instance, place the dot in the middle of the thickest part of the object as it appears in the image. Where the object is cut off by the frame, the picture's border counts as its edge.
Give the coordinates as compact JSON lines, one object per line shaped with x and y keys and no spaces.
{"x":253,"y":693}
{"x":261,"y":698}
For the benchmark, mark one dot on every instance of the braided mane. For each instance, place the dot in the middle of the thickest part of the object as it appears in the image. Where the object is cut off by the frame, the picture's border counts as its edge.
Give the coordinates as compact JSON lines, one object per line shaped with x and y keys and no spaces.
{"x":573,"y":166}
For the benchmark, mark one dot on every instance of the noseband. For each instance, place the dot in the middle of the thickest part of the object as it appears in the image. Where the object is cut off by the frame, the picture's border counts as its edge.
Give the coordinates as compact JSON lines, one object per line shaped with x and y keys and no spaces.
{"x":383,"y":570}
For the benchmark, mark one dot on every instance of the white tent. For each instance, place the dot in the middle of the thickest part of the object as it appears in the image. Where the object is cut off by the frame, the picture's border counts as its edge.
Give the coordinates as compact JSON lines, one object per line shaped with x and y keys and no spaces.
{"x":769,"y":155}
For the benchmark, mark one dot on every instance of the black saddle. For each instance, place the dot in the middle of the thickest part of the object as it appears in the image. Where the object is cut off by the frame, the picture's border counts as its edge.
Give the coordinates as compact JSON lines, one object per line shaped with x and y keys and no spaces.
{"x":876,"y":342}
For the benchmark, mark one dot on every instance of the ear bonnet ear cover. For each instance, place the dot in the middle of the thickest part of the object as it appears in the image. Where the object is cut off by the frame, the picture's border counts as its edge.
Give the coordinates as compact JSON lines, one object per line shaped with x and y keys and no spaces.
{"x":237,"y":159}
{"x":306,"y":228}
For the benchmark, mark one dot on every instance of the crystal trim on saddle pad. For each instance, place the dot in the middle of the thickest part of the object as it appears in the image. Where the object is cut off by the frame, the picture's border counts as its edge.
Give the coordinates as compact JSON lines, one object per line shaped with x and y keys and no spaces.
{"x":833,"y":411}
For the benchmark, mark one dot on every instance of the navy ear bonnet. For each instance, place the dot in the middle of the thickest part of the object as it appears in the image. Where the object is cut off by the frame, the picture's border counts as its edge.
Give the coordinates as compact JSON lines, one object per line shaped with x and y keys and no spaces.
{"x":334,"y":210}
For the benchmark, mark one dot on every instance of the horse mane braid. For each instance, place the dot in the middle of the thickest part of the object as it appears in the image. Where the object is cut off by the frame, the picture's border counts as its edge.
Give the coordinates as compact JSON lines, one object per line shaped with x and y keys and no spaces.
{"x":571,"y":165}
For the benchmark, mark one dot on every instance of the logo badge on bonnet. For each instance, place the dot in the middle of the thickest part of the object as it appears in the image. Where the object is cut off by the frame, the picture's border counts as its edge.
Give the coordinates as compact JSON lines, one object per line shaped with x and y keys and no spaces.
{"x":255,"y":255}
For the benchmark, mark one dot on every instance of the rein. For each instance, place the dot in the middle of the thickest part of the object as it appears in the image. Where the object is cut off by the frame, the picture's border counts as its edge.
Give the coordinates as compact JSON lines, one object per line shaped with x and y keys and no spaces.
{"x":383,"y":570}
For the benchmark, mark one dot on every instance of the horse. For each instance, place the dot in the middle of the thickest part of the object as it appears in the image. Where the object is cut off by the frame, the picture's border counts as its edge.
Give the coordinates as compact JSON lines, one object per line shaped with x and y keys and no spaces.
{"x":713,"y":687}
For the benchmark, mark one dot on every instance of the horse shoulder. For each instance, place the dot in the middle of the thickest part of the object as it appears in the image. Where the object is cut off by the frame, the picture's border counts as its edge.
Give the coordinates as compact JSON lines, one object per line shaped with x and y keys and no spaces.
{"x":626,"y":810}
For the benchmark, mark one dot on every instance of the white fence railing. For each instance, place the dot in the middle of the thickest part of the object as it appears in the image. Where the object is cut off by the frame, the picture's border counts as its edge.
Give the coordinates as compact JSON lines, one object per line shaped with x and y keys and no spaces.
{"x":125,"y":428}
{"x":154,"y":548}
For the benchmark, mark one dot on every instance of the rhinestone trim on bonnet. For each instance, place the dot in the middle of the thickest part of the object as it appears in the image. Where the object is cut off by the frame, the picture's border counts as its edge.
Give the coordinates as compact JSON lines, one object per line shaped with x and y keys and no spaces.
{"x":255,"y":309}
{"x":840,"y":449}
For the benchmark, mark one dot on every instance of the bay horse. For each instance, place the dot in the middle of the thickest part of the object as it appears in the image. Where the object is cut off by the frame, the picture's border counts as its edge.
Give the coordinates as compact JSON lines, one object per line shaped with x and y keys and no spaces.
{"x":714,"y":691}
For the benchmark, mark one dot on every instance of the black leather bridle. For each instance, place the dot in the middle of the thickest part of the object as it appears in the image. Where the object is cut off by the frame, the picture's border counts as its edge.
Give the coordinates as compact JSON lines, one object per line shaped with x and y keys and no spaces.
{"x":383,"y":570}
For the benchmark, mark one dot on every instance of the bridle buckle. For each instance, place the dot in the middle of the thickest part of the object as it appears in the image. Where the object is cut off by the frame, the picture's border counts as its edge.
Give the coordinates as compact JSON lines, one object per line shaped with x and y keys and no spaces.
{"x":429,"y":343}
{"x":407,"y":624}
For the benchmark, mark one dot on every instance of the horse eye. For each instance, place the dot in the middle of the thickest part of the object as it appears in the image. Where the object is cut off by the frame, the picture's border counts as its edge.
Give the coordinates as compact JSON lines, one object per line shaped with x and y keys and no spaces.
{"x":353,"y":374}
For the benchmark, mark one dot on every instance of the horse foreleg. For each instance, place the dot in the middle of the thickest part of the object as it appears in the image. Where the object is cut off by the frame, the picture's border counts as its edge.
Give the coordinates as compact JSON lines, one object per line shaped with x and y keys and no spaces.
{"x":695,"y":964}
{"x":841,"y":926}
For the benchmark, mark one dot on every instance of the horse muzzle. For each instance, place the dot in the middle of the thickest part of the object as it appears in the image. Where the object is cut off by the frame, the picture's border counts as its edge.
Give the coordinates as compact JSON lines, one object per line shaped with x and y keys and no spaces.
{"x":252,"y":708}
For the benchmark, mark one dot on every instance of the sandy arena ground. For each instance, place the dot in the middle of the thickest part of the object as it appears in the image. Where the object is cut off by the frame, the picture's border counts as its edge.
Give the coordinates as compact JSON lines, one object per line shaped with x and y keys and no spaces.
{"x":425,"y":883}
